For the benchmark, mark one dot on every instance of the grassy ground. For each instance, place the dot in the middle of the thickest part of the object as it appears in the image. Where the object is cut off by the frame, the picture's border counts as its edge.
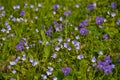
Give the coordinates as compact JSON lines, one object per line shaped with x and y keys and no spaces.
{"x":90,"y":44}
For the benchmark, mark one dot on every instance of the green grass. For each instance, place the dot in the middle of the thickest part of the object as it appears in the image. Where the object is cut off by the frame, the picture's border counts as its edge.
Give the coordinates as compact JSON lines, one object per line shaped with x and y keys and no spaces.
{"x":90,"y":44}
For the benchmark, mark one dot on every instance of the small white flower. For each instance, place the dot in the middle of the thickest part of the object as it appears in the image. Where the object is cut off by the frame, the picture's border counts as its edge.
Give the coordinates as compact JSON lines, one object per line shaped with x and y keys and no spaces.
{"x":55,"y":78}
{"x":54,"y":13}
{"x":100,"y":52}
{"x":14,"y":71}
{"x":93,"y":59}
{"x":80,"y":56}
{"x":77,"y":6}
{"x":36,"y":30}
{"x":61,"y":19}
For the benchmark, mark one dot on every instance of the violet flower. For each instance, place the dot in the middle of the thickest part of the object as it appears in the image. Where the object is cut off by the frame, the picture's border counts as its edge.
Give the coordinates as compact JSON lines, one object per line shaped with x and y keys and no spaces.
{"x":90,"y":7}
{"x":49,"y":31}
{"x":99,"y":20}
{"x":66,"y":71}
{"x":113,"y":5}
{"x":83,"y":31}
{"x":83,"y":23}
{"x":19,"y":46}
{"x":22,"y":13}
{"x":56,"y":6}
{"x":67,"y":13}
{"x":106,"y":36}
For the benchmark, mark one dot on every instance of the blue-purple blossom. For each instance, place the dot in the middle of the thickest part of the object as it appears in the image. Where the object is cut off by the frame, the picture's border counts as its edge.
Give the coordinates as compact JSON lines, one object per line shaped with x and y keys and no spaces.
{"x":83,"y":31}
{"x":80,"y":56}
{"x":118,"y":22}
{"x":22,"y":13}
{"x":19,"y":46}
{"x":99,"y":20}
{"x":67,"y":13}
{"x":83,"y":23}
{"x":90,"y":7}
{"x":56,"y":6}
{"x":118,"y":59}
{"x":44,"y":76}
{"x":49,"y":31}
{"x":66,"y":70}
{"x":106,"y":36}
{"x":106,"y":65}
{"x":113,"y":5}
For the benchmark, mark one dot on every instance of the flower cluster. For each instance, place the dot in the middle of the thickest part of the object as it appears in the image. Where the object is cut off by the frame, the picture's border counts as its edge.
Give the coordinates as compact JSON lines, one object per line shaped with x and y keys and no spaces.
{"x":106,"y":65}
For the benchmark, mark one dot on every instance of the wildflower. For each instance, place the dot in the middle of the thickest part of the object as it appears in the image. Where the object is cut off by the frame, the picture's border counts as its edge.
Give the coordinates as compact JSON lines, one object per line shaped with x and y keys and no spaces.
{"x":23,"y":57}
{"x":83,"y":31}
{"x":57,"y":48}
{"x":36,"y":30}
{"x":100,"y":52}
{"x":113,"y":5}
{"x":49,"y":31}
{"x":83,"y":23}
{"x":93,"y":59}
{"x":3,"y":29}
{"x":118,"y":22}
{"x":31,"y":6}
{"x":31,"y":60}
{"x":67,"y":13}
{"x":22,"y":13}
{"x":118,"y":59}
{"x":66,"y":71}
{"x":113,"y":14}
{"x":59,"y":40}
{"x":16,"y":7}
{"x":76,"y":5}
{"x":49,"y":71}
{"x":40,"y":42}
{"x":65,"y":45}
{"x":61,"y":19}
{"x":106,"y":65}
{"x":9,"y":66}
{"x":14,"y":71}
{"x":106,"y":36}
{"x":77,"y":37}
{"x":90,"y":7}
{"x":55,"y":78}
{"x":99,"y":20}
{"x":56,"y":6}
{"x":34,"y":63}
{"x":44,"y":76}
{"x":80,"y":56}
{"x":40,"y":5}
{"x":12,"y":63}
{"x":54,"y":55}
{"x":12,"y":79}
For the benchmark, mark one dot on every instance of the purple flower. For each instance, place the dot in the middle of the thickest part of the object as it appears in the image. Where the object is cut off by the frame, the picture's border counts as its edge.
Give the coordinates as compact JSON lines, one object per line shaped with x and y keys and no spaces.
{"x":113,"y":5}
{"x":67,"y":13}
{"x":83,"y":23}
{"x":107,"y":59}
{"x":118,"y":59}
{"x":83,"y":31}
{"x":56,"y":6}
{"x":22,"y":13}
{"x":19,"y":46}
{"x":99,"y":20}
{"x":108,"y":69}
{"x":66,"y":71}
{"x":106,"y":65}
{"x":80,"y":56}
{"x":49,"y":31}
{"x":106,"y":36}
{"x":90,"y":7}
{"x":118,"y":22}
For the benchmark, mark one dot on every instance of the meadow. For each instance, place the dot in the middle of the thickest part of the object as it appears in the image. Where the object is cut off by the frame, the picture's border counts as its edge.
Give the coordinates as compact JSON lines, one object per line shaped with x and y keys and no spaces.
{"x":59,"y":40}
